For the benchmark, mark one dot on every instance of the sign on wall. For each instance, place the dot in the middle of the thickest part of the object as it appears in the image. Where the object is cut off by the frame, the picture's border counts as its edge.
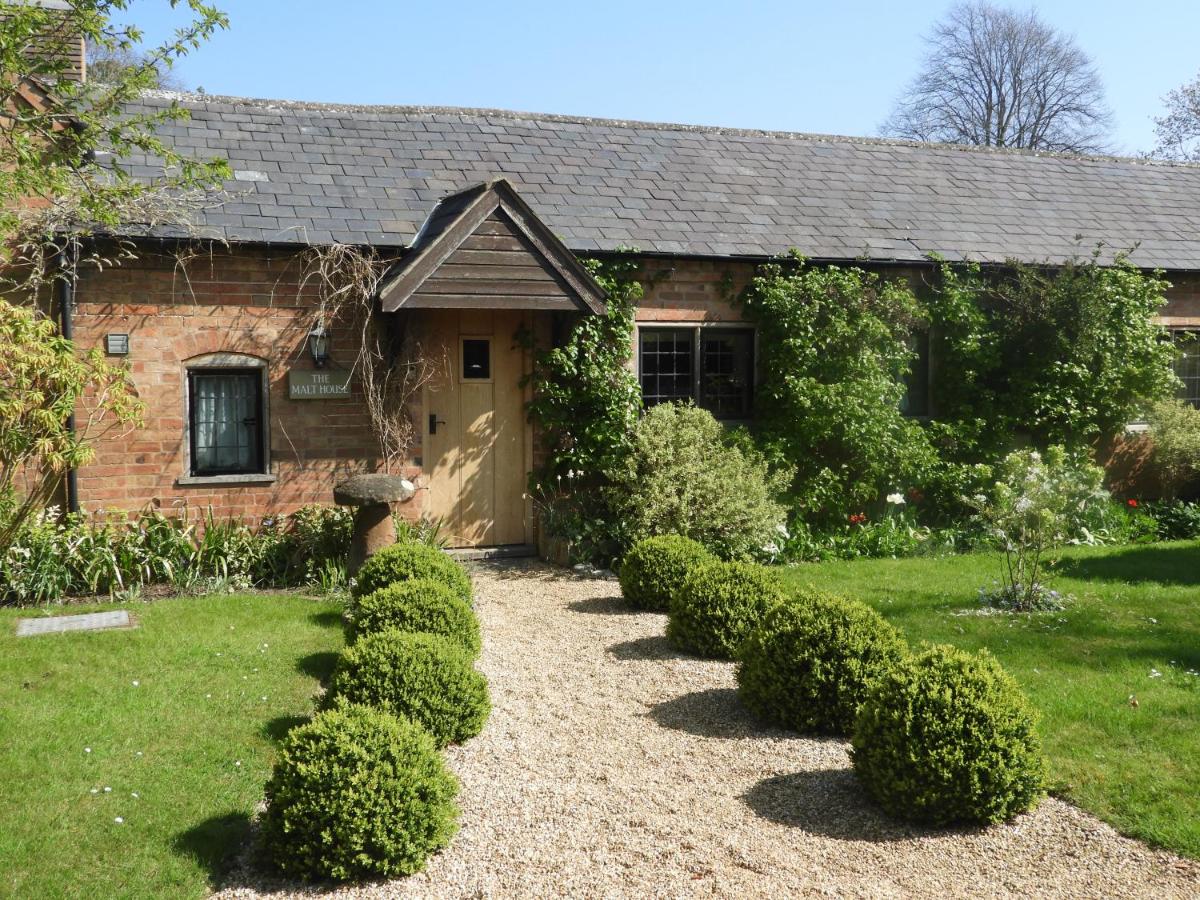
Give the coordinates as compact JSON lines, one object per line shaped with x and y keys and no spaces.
{"x":319,"y":384}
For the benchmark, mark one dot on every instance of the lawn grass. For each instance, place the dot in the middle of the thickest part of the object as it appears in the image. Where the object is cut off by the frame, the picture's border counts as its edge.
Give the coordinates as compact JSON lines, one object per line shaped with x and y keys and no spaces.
{"x":1136,"y":612}
{"x":218,"y":680}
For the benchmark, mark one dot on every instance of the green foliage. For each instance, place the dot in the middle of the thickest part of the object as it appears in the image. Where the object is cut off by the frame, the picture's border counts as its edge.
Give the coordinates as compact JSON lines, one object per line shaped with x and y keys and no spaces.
{"x":684,"y":477}
{"x":812,"y":662}
{"x":1036,"y":504}
{"x":358,"y":793}
{"x":43,"y":378}
{"x":947,"y":737}
{"x":55,"y":556}
{"x":585,"y":404}
{"x":42,"y":161}
{"x":834,"y":353}
{"x":1065,"y":355}
{"x":401,"y":562}
{"x":1175,"y":431}
{"x":419,"y":604}
{"x":1174,"y":520}
{"x":423,"y":677}
{"x":718,"y":605}
{"x":655,"y":567}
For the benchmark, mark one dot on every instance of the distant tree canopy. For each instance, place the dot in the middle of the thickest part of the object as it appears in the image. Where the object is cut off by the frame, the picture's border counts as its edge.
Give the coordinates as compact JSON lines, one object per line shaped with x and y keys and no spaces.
{"x":1178,"y":132}
{"x":994,"y":77}
{"x":109,"y":65}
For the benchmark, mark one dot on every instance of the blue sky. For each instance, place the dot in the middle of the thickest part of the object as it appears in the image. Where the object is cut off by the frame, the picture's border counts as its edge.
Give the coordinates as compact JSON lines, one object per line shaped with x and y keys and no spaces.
{"x":824,"y":66}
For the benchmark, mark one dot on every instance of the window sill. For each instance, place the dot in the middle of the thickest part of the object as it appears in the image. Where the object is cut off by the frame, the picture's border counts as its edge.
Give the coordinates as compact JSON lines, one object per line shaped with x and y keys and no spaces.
{"x":253,"y":478}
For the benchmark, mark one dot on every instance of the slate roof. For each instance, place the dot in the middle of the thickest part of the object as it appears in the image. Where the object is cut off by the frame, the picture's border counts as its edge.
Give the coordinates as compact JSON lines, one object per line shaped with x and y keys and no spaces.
{"x":314,"y":173}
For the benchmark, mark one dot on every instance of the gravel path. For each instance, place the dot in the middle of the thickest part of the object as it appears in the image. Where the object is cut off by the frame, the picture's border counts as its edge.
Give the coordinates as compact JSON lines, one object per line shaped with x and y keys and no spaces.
{"x":613,"y":767}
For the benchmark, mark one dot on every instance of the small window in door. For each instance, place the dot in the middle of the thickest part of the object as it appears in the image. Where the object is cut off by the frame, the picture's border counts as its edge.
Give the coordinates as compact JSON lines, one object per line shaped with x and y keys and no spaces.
{"x":476,"y":359}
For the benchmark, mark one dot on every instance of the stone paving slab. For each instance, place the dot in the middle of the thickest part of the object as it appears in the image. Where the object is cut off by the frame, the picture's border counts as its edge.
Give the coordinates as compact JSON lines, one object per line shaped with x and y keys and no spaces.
{"x":86,"y":622}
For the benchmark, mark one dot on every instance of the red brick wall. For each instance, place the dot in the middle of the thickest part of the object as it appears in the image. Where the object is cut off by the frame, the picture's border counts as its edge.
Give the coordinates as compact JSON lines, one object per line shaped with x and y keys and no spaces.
{"x":247,"y":302}
{"x":1183,"y":301}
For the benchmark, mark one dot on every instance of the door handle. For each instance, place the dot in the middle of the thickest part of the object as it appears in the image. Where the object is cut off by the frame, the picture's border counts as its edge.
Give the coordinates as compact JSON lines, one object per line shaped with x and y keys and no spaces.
{"x":434,"y":422}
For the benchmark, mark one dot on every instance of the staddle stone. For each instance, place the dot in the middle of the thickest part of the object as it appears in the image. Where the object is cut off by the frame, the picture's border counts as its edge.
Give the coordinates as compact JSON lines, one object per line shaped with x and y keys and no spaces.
{"x":373,"y":525}
{"x":366,"y":490}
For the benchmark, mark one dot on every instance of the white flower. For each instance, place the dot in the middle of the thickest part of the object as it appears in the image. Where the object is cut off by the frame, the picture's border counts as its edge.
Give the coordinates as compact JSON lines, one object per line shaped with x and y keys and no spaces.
{"x":896,"y":499}
{"x":87,"y":749}
{"x":135,"y":684}
{"x":119,"y":820}
{"x":1154,"y":673}
{"x":107,"y":790}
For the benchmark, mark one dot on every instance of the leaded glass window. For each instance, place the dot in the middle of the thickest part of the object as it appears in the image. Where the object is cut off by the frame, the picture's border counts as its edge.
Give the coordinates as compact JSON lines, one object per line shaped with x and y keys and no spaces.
{"x":713,"y":366}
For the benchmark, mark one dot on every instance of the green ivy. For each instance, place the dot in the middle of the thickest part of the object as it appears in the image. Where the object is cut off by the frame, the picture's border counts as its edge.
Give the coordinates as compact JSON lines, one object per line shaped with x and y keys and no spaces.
{"x":1065,"y":356}
{"x":586,"y":401}
{"x":834,"y":353}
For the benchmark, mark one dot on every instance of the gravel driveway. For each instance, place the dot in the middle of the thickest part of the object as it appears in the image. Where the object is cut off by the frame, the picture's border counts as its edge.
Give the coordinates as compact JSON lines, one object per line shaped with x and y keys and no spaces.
{"x":614,"y":767}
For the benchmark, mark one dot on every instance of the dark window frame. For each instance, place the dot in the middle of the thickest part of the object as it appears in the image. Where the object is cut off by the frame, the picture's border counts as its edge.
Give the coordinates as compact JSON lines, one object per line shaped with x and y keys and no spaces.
{"x":696,"y":390}
{"x":259,"y":463}
{"x":921,"y":342}
{"x":1190,"y":393}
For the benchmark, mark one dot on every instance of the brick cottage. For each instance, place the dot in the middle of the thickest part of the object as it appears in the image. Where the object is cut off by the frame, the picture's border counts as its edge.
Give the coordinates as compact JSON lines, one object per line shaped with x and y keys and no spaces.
{"x":485,"y":212}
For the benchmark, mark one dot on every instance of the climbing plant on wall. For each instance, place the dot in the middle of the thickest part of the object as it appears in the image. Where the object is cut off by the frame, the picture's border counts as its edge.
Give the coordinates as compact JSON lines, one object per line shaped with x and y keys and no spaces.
{"x":585,"y":403}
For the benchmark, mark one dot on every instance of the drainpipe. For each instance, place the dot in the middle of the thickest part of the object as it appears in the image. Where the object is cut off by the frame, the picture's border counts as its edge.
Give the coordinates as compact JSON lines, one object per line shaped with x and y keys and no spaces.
{"x":65,"y":288}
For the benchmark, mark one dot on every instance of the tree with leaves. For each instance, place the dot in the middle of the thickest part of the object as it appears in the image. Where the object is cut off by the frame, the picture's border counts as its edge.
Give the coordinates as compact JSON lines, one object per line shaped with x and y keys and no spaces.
{"x":1178,"y":132}
{"x":61,"y":142}
{"x":59,"y":136}
{"x":995,"y":77}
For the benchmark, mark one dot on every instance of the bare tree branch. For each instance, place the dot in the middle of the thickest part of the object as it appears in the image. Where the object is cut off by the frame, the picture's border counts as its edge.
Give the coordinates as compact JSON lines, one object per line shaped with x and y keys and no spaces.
{"x":993,"y":77}
{"x":1178,"y":131}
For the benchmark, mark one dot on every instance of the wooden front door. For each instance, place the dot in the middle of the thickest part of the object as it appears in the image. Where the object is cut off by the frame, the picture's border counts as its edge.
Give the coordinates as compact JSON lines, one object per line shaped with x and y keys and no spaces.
{"x":477,"y":445}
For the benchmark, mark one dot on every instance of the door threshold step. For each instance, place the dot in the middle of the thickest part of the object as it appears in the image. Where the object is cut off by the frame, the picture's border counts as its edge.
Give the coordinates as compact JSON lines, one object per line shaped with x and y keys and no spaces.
{"x":508,"y":551}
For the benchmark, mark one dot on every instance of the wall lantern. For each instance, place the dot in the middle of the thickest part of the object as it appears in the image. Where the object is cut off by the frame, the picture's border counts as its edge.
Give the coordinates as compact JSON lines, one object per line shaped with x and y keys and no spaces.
{"x":318,"y":345}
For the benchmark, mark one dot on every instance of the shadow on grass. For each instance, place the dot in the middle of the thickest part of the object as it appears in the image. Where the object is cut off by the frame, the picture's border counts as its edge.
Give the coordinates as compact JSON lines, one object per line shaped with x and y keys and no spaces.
{"x":318,"y":665}
{"x":1178,"y":564}
{"x":653,"y":647}
{"x":604,"y":606}
{"x":214,"y":843}
{"x":328,"y":618}
{"x":715,"y":712}
{"x":277,"y":728}
{"x":831,"y":803}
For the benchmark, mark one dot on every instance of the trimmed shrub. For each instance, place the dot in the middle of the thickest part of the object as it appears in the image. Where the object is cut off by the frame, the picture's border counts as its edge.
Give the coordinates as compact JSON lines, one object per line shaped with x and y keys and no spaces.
{"x":654,"y":568}
{"x":424,"y":677}
{"x":947,"y":737}
{"x":718,"y":605}
{"x":686,"y":474}
{"x":420,"y":604}
{"x":358,"y":793}
{"x":813,"y":661}
{"x":402,"y":562}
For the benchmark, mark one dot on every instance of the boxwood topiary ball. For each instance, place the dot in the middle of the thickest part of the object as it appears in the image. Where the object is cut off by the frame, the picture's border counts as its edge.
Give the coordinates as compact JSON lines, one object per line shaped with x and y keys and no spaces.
{"x":358,"y":793}
{"x":947,"y":737}
{"x":654,"y":568}
{"x":408,"y":560}
{"x":420,"y":604}
{"x":811,"y":663}
{"x":718,"y":605}
{"x":424,"y":677}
